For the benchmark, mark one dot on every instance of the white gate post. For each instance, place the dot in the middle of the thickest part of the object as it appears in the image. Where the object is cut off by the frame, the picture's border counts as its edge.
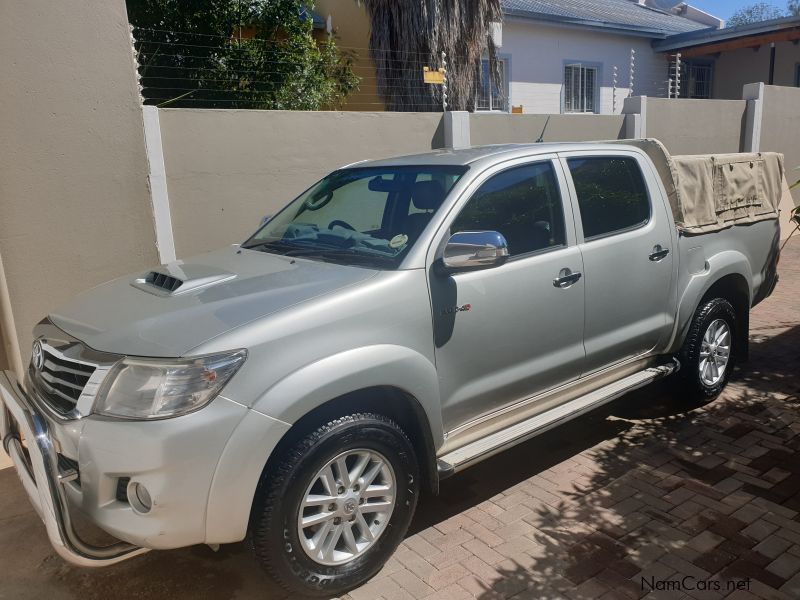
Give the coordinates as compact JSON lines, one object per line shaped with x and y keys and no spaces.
{"x":754,"y":94}
{"x":456,"y":129}
{"x":635,"y":111}
{"x":158,"y":185}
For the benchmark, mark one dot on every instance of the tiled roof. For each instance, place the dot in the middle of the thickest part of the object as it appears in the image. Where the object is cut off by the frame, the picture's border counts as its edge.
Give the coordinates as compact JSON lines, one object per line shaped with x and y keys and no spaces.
{"x":611,"y":14}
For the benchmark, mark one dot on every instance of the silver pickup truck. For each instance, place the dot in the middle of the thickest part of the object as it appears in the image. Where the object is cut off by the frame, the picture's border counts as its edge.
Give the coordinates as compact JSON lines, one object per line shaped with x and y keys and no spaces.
{"x":398,"y":322}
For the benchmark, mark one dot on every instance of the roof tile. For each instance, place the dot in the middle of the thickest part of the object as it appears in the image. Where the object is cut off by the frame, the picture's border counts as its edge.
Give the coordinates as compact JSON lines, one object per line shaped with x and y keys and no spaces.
{"x":623,"y":14}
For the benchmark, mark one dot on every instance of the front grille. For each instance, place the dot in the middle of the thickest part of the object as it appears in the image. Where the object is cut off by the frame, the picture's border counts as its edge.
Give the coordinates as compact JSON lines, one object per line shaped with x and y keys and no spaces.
{"x":62,"y":380}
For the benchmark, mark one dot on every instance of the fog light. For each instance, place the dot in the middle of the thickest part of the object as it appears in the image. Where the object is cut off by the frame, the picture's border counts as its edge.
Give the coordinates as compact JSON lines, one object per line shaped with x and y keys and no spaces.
{"x":139,"y":497}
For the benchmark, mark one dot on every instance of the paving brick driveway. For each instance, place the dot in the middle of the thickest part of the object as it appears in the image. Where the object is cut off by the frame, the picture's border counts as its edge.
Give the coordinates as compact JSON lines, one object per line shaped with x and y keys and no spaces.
{"x":697,"y":502}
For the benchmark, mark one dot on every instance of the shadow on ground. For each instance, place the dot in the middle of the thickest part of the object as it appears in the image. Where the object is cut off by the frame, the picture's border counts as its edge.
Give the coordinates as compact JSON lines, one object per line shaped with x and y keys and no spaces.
{"x":585,"y":538}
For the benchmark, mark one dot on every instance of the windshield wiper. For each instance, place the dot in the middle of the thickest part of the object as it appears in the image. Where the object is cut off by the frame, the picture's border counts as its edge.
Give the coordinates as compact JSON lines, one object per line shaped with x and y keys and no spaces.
{"x":278,"y":247}
{"x":343,"y":253}
{"x":287,"y":249}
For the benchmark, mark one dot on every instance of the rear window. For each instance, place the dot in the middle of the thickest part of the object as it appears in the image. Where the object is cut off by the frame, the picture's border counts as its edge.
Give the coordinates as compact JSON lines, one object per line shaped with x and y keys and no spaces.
{"x":612,"y":194}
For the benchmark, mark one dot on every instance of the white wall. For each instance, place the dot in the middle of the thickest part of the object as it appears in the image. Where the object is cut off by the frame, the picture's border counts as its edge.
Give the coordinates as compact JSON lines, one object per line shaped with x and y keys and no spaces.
{"x":74,"y":199}
{"x":538,"y":53}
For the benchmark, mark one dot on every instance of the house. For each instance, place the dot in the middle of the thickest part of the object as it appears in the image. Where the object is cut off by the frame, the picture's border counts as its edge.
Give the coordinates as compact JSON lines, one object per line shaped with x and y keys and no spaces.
{"x":571,"y":56}
{"x":717,"y":63}
{"x":563,"y":56}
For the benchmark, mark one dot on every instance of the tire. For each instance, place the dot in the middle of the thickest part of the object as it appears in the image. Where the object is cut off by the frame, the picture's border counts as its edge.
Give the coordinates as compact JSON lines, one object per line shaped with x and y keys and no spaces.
{"x":283,"y":547}
{"x":698,"y":381}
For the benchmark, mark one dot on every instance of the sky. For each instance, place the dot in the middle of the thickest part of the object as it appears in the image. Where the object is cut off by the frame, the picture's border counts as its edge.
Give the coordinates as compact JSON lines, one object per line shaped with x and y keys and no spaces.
{"x":725,"y":8}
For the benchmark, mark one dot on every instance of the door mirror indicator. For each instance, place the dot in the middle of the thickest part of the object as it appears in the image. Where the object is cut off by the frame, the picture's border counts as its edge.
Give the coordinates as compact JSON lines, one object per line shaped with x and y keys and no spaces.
{"x":474,"y":250}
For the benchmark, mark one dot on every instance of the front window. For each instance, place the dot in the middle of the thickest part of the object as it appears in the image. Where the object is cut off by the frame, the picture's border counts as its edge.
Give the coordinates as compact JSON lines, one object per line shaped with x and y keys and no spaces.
{"x":369,"y":216}
{"x":522,"y":203}
{"x":489,"y":95}
{"x":580,"y":93}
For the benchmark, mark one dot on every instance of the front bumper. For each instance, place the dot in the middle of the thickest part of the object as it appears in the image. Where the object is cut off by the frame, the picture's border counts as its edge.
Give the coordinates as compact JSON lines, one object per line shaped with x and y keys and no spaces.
{"x":175,"y":459}
{"x":37,"y":467}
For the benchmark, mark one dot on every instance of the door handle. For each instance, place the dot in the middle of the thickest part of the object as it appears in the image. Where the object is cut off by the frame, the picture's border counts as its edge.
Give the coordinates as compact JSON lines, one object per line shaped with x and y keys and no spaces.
{"x":566,"y":278}
{"x":658,"y":254}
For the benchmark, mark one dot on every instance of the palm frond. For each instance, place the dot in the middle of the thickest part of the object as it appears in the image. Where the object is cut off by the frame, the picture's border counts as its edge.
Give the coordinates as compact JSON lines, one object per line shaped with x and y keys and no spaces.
{"x":410,"y":34}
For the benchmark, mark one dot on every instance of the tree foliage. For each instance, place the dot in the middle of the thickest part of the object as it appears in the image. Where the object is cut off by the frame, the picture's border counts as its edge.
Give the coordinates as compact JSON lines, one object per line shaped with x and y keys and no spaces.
{"x":237,"y":54}
{"x":762,"y":11}
{"x":410,"y":34}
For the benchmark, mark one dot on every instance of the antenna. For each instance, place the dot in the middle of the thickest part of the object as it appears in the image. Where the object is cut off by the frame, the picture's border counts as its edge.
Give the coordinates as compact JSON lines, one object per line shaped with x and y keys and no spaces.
{"x":541,"y":136}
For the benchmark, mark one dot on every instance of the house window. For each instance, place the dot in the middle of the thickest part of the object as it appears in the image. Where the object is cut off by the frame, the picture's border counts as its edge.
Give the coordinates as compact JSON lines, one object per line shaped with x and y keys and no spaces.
{"x":489,"y":95}
{"x":580,"y":89}
{"x":696,"y":80}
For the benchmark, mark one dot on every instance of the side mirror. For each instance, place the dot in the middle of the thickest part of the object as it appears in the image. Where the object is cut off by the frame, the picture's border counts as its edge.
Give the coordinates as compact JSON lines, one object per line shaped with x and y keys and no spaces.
{"x":475,"y":249}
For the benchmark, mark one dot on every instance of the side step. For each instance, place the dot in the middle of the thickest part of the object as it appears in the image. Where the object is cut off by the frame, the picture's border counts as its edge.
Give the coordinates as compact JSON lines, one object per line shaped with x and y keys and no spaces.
{"x":478,"y":450}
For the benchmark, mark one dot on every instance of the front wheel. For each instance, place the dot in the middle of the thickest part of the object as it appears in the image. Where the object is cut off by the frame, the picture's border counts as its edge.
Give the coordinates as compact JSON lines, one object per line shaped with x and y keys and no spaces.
{"x":708,"y":353}
{"x":333,"y":509}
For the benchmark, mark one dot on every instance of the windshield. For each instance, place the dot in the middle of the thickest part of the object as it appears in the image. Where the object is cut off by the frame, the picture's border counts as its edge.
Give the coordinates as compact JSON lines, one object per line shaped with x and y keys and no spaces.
{"x":362,"y":216}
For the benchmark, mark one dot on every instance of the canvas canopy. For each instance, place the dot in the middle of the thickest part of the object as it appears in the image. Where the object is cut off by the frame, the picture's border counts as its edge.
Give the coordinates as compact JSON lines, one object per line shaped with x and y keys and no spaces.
{"x":709,"y":192}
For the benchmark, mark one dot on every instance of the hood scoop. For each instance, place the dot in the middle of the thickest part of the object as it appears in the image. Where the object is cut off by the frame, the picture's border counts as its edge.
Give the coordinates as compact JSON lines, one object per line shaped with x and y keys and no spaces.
{"x":161,"y":281}
{"x":177,"y":278}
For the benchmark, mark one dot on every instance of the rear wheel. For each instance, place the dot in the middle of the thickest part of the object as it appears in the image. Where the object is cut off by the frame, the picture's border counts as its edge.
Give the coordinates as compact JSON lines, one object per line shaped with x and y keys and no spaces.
{"x":708,"y":353}
{"x":334,"y":508}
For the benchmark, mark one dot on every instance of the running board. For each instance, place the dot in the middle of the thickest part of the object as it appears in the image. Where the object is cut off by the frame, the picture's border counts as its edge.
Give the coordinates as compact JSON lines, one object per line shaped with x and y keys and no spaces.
{"x":478,"y":450}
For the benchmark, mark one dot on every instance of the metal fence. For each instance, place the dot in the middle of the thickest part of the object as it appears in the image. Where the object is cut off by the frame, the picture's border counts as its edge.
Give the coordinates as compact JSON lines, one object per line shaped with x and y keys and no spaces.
{"x":183,"y":69}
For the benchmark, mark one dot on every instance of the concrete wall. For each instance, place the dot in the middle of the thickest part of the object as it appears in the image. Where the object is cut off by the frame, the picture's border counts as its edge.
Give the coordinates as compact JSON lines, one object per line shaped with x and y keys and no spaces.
{"x":780,"y":132}
{"x":74,"y":200}
{"x":503,"y":128}
{"x":226,"y":169}
{"x":538,"y":53}
{"x":734,"y":69}
{"x":697,"y":126}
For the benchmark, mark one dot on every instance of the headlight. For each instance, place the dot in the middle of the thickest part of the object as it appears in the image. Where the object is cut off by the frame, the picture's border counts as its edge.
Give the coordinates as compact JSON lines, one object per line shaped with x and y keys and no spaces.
{"x":141,"y":388}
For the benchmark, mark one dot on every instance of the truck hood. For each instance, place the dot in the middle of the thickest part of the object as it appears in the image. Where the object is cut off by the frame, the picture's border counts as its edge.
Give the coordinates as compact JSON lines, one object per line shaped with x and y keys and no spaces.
{"x":169,"y":310}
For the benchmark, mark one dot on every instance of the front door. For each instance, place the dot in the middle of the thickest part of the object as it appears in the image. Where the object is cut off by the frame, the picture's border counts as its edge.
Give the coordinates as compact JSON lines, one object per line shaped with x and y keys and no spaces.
{"x":626,"y":243}
{"x":506,"y":333}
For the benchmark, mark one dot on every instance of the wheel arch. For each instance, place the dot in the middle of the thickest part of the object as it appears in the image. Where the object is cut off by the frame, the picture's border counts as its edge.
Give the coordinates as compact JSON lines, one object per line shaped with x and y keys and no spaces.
{"x":395,"y":382}
{"x":735,"y":289}
{"x":733,"y":286}
{"x":400,"y":406}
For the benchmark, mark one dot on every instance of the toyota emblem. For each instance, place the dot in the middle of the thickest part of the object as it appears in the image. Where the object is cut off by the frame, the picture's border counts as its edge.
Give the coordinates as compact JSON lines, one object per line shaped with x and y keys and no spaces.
{"x":38,"y":356}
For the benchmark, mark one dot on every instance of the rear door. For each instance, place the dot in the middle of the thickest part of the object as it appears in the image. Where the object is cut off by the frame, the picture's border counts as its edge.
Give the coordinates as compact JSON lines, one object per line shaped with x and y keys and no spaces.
{"x":625,"y":237}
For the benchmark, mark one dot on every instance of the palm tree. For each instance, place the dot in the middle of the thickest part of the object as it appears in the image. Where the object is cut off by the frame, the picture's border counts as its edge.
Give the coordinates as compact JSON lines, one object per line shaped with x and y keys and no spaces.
{"x":409,"y":34}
